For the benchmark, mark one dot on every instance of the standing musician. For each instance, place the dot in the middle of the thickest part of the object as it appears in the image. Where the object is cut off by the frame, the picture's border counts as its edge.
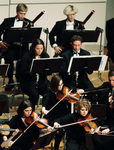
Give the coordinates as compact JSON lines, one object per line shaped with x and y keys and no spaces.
{"x":12,"y":52}
{"x":34,"y":84}
{"x":75,"y":134}
{"x":25,"y":142}
{"x":68,"y":24}
{"x":78,"y":79}
{"x":49,"y":100}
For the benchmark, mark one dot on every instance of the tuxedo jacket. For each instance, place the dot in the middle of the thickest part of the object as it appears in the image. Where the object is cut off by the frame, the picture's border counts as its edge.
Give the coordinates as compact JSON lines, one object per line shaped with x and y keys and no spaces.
{"x":58,"y":31}
{"x":9,"y":22}
{"x":70,"y":80}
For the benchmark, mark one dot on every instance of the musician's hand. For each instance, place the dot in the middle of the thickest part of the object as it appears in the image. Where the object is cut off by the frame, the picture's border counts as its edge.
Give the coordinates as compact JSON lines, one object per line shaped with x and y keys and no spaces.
{"x":50,"y":128}
{"x":4,"y":46}
{"x":80,"y":91}
{"x":97,"y":130}
{"x":15,"y":132}
{"x":44,"y":111}
{"x":10,"y":143}
{"x":56,"y":125}
{"x":110,"y":99}
{"x":105,"y":131}
{"x":57,"y":49}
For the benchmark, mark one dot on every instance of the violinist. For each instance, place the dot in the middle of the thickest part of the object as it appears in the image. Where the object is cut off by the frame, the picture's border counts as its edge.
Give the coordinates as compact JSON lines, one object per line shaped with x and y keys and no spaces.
{"x":49,"y":100}
{"x":102,"y":145}
{"x":75,"y":134}
{"x":25,"y":142}
{"x":106,"y":96}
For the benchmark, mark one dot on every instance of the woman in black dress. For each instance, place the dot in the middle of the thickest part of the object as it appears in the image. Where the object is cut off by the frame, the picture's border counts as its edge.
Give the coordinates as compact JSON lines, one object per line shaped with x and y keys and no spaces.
{"x":34,"y":84}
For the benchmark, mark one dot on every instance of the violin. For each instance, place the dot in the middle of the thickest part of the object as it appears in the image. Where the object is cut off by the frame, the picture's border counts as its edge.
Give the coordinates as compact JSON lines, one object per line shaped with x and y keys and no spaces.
{"x":89,"y":124}
{"x":34,"y":118}
{"x":5,"y":129}
{"x":65,"y":94}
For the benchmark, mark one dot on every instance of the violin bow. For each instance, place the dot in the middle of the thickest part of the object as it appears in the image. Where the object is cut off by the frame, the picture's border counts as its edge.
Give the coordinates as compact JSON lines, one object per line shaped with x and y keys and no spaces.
{"x":59,"y":101}
{"x":97,"y":90}
{"x":70,"y":124}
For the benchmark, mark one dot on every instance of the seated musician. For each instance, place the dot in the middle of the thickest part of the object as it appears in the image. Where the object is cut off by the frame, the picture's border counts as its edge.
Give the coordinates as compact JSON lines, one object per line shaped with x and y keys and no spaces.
{"x":79,"y":79}
{"x":57,"y":31}
{"x":11,"y":51}
{"x":107,"y":97}
{"x":49,"y":100}
{"x":19,"y":121}
{"x":76,"y":133}
{"x":100,"y":144}
{"x":34,"y":84}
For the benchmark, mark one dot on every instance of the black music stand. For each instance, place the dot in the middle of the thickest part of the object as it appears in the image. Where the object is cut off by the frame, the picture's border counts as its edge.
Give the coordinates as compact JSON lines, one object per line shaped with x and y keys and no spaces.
{"x":89,"y":142}
{"x":81,"y":63}
{"x":46,"y":65}
{"x":87,"y":35}
{"x":22,"y":35}
{"x":44,"y":140}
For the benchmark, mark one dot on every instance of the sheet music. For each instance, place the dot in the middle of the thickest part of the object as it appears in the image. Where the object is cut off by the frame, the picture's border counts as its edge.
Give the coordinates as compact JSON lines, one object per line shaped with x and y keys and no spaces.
{"x":103,"y":63}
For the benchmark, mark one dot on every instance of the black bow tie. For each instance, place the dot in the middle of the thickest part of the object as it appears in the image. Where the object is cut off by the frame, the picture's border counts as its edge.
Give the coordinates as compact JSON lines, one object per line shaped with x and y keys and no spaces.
{"x":76,"y":53}
{"x":19,"y":20}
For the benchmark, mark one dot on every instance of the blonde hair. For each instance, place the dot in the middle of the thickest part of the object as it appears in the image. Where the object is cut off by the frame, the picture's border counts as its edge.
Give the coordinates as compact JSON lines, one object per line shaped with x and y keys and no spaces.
{"x":69,"y":9}
{"x":21,"y":7}
{"x":82,"y":103}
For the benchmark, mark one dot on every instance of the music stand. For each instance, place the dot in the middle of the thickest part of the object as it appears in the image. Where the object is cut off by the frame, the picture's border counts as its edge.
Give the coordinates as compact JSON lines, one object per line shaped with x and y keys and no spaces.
{"x":90,"y":63}
{"x":2,"y":106}
{"x":46,"y":65}
{"x":87,"y":35}
{"x":89,"y":142}
{"x":22,"y":35}
{"x":44,"y":140}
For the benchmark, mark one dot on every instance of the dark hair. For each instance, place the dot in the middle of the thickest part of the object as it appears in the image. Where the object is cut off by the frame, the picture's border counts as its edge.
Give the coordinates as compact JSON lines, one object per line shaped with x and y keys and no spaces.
{"x":55,"y":82}
{"x":76,"y":38}
{"x":23,"y":105}
{"x":111,"y":73}
{"x":34,"y":43}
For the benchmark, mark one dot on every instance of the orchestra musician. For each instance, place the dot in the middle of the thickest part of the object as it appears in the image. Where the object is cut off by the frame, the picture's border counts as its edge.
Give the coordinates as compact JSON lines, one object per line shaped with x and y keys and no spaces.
{"x":102,"y":145}
{"x":78,"y":79}
{"x":49,"y":100}
{"x":57,"y":31}
{"x":34,"y":84}
{"x":107,"y":97}
{"x":25,"y":142}
{"x":75,"y":134}
{"x":11,"y":51}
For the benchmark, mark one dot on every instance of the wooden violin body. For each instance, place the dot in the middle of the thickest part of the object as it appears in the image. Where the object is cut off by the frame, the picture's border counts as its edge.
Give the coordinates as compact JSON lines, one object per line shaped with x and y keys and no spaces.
{"x":40,"y":122}
{"x":71,"y":97}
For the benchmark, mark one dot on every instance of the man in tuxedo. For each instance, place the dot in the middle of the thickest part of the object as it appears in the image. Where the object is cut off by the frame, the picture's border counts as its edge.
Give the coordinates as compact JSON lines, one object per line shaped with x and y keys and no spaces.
{"x":56,"y":34}
{"x":79,"y":79}
{"x":14,"y":51}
